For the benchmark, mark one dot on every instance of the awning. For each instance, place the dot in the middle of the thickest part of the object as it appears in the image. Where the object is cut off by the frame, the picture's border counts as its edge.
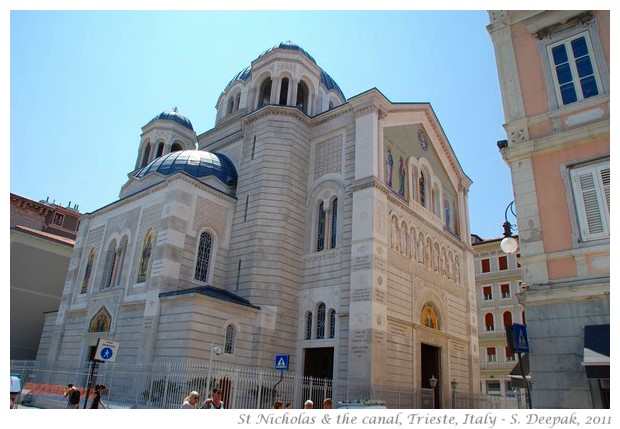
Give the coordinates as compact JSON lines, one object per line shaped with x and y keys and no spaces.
{"x":516,"y":378}
{"x":596,"y":351}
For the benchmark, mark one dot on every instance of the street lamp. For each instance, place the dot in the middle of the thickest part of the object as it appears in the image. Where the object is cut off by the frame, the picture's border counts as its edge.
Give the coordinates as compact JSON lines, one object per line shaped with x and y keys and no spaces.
{"x":509,"y":244}
{"x":433,"y":383}
{"x":454,"y":383}
{"x":217,"y":351}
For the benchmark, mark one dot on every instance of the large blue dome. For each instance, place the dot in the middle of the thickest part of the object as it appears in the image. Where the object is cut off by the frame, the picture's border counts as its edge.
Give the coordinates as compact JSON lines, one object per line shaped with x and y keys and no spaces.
{"x":174,"y":115}
{"x":196,"y":163}
{"x":326,"y":79}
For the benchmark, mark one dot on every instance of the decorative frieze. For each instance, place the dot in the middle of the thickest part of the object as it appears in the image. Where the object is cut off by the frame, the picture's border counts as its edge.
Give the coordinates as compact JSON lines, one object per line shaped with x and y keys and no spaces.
{"x":210,"y":214}
{"x":328,"y":156}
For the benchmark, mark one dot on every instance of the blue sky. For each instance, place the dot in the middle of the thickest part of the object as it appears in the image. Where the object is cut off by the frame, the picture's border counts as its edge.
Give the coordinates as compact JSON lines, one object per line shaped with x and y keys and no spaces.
{"x":83,"y":83}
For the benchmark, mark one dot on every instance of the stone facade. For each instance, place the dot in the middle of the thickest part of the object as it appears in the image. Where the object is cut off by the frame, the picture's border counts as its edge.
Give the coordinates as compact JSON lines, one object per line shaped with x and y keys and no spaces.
{"x":314,"y":252}
{"x":554,"y":75}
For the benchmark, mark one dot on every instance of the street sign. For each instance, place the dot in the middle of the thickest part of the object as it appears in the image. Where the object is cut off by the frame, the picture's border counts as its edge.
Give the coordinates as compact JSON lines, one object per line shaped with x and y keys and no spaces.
{"x":106,"y":351}
{"x":282,"y":362}
{"x":521,"y":343}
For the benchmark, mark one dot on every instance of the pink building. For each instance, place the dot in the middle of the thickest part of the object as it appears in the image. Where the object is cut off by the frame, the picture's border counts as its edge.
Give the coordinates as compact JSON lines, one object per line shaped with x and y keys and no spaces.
{"x":553,"y":69}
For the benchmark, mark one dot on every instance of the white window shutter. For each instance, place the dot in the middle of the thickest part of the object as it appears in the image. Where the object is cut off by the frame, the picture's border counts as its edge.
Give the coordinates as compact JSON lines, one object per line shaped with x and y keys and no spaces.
{"x":591,"y":186}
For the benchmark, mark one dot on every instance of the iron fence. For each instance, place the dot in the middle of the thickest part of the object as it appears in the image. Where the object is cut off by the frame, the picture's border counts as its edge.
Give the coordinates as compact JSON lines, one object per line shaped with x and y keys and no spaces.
{"x":165,"y":385}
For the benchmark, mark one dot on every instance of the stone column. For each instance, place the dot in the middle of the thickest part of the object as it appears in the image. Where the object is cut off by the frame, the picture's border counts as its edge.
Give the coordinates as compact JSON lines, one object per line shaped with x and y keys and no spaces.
{"x":368,"y":308}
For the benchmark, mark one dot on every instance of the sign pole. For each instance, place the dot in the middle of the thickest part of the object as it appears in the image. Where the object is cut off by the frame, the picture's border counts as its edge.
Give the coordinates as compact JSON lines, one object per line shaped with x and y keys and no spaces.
{"x":527,"y":384}
{"x":90,"y":381}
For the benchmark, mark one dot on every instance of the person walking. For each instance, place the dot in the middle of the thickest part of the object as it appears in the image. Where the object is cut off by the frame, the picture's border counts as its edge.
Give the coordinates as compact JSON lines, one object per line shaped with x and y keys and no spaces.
{"x":73,"y":396}
{"x":215,"y":401}
{"x":309,"y":404}
{"x":97,"y":402}
{"x":191,"y":402}
{"x":327,"y":404}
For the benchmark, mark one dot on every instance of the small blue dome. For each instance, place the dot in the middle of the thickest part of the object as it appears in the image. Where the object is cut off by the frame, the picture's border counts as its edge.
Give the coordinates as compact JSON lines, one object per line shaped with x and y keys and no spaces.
{"x":196,"y":163}
{"x":174,"y":115}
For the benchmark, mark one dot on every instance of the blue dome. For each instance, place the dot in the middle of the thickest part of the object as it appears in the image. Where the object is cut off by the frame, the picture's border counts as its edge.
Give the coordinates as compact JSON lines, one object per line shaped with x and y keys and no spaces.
{"x":325,"y":78}
{"x":174,"y":115}
{"x":195,"y":163}
{"x":291,"y":46}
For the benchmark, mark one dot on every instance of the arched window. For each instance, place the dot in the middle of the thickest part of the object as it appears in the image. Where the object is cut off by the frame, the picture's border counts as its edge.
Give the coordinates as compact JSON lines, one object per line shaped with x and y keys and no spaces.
{"x":320,"y":321}
{"x":145,"y":155}
{"x":120,"y":261}
{"x":283,"y":92}
{"x":145,"y":259}
{"x":264,"y":97}
{"x":110,"y":264}
{"x":327,"y":226}
{"x":507,"y":318}
{"x":489,"y":322}
{"x":176,"y":147}
{"x":229,"y":343}
{"x":237,"y":101}
{"x":332,"y":240}
{"x":331,"y":105}
{"x":160,"y":149}
{"x":422,"y":189}
{"x":320,"y":239}
{"x":302,"y":97}
{"x":436,"y":202}
{"x":332,"y":323}
{"x":231,"y":104}
{"x":203,"y":257}
{"x":88,"y":271}
{"x":309,"y":326}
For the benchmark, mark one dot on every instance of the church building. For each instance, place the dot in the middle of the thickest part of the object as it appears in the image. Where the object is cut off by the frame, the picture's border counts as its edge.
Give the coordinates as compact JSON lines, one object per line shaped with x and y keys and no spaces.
{"x":334,"y":230}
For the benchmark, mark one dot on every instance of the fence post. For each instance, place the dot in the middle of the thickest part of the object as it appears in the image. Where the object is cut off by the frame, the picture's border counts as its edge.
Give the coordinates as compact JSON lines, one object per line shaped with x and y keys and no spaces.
{"x":260,"y":389}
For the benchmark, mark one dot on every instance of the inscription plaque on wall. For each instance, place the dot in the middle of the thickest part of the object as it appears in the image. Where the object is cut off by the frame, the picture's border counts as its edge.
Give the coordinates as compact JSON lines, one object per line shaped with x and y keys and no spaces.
{"x":360,"y":295}
{"x":359,"y":344}
{"x":362,"y":263}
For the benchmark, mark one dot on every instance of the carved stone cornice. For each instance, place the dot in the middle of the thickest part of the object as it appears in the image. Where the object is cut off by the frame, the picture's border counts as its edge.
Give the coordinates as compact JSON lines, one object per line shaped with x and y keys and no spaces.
{"x":277,"y":111}
{"x":334,"y":113}
{"x":158,"y":187}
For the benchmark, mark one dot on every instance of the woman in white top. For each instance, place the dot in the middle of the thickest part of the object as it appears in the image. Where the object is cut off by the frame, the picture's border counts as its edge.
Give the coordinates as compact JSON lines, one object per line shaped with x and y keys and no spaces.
{"x":191,"y":401}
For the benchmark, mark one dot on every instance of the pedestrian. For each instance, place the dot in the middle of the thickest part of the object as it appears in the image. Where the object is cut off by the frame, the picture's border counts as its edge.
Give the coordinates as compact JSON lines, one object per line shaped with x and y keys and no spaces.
{"x":288,"y":406}
{"x":278,"y":405}
{"x":309,"y":404}
{"x":73,"y":396}
{"x":215,"y":401}
{"x":191,"y":402}
{"x":327,"y":403}
{"x":97,"y":402}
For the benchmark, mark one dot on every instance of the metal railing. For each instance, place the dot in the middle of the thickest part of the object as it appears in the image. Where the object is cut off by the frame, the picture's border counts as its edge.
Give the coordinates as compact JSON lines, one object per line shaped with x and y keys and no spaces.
{"x":165,"y":385}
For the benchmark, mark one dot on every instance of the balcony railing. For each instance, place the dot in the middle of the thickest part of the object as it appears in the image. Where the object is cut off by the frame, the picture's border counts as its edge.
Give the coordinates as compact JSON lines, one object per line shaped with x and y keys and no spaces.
{"x":498,"y":365}
{"x":515,"y":272}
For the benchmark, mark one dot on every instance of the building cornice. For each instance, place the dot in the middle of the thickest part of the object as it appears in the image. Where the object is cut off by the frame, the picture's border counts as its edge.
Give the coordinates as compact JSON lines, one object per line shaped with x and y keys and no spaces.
{"x":553,"y":142}
{"x":568,"y":290}
{"x":276,"y":110}
{"x":158,"y":187}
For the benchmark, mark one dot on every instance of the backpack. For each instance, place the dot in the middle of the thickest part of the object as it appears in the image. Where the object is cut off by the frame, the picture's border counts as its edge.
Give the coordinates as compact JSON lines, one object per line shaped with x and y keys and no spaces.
{"x":74,"y":398}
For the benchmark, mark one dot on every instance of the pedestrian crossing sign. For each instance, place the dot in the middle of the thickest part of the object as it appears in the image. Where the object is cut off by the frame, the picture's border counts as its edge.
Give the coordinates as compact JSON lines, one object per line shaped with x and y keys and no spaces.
{"x":282,"y":362}
{"x":521,"y":342}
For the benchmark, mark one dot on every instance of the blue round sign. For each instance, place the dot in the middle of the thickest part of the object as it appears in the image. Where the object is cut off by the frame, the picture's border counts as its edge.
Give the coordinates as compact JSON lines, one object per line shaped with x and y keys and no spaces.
{"x":106,"y":353}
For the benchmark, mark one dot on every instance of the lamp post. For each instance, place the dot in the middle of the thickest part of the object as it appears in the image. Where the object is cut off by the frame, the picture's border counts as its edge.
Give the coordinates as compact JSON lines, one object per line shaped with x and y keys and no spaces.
{"x":217,"y":351}
{"x":433,"y":382}
{"x":454,"y":383}
{"x":509,"y":244}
